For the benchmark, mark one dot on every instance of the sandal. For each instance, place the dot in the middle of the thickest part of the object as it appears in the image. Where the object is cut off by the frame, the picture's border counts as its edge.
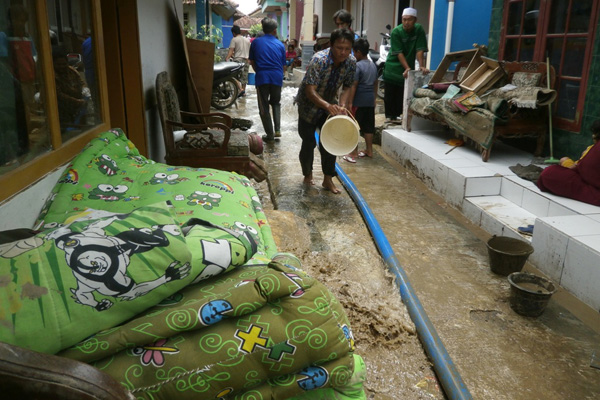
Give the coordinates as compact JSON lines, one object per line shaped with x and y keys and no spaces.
{"x":350,"y":159}
{"x":362,"y":154}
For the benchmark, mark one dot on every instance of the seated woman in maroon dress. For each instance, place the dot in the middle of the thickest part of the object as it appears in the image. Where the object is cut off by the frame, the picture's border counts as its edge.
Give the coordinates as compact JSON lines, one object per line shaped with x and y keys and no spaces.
{"x":578,"y":180}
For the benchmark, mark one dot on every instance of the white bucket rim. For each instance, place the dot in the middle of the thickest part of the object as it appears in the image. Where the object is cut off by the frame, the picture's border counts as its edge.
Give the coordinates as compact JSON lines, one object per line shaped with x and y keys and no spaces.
{"x":340,"y":140}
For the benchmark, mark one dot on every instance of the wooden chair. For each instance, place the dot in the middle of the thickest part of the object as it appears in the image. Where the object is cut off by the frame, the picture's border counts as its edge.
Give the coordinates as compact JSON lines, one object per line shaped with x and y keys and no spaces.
{"x":27,"y":374}
{"x":205,"y":139}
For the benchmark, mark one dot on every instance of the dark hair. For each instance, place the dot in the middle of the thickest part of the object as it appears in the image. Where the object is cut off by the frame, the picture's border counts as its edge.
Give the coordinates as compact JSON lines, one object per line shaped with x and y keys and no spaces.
{"x":269,"y":25}
{"x":596,"y":129}
{"x":236,"y":30}
{"x":59,"y":52}
{"x":362,"y":45}
{"x":341,"y":34}
{"x":344,"y":16}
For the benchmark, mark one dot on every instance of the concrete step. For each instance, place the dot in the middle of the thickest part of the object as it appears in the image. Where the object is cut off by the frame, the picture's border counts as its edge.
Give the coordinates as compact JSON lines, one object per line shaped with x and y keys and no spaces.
{"x":567,"y":247}
{"x":498,"y":216}
{"x":566,"y":235}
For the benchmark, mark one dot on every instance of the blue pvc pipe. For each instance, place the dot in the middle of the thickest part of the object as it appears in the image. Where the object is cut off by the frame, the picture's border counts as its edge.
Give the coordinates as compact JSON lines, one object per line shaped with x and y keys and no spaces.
{"x":451,"y":381}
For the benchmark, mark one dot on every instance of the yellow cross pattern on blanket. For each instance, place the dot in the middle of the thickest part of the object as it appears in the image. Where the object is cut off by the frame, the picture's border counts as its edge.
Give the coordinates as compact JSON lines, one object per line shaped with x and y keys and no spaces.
{"x":251,"y":339}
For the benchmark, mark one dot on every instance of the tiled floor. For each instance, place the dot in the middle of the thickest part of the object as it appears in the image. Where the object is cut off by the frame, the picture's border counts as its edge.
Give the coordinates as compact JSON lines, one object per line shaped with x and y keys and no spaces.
{"x":566,"y":236}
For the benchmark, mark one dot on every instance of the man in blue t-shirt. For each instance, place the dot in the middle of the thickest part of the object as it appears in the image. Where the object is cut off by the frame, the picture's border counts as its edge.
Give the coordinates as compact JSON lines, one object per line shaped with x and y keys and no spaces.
{"x":267,"y":57}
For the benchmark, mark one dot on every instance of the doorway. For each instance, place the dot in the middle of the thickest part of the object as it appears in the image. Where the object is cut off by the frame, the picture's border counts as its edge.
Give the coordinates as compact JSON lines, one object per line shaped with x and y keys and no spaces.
{"x":124,"y":70}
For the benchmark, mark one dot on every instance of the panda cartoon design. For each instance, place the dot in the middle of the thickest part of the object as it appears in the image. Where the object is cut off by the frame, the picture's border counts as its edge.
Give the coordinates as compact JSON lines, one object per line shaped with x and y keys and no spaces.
{"x":99,"y":262}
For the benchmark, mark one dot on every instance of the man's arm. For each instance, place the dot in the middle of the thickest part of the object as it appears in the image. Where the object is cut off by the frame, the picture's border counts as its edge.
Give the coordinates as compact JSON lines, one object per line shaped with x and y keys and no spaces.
{"x":347,"y":96}
{"x":333,"y":109}
{"x":421,"y":46}
{"x":421,"y":60}
{"x":404,"y":64}
{"x":352,"y":94}
{"x":229,"y":54}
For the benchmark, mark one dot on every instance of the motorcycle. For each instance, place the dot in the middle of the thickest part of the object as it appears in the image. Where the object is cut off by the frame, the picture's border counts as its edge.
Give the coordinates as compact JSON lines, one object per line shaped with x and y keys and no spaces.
{"x":226,"y":84}
{"x":384,"y":49}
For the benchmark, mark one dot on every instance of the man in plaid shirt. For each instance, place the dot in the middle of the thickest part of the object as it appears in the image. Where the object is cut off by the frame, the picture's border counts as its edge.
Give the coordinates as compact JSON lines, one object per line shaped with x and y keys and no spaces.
{"x":317,"y":98}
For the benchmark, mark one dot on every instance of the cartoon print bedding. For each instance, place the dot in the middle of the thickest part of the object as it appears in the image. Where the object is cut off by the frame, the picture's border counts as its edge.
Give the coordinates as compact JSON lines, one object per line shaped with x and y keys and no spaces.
{"x":260,"y":332}
{"x":111,"y":175}
{"x":162,"y":277}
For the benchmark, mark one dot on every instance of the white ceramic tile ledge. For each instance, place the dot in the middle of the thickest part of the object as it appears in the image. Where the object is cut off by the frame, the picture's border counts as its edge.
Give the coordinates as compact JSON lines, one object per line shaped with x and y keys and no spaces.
{"x":566,"y":236}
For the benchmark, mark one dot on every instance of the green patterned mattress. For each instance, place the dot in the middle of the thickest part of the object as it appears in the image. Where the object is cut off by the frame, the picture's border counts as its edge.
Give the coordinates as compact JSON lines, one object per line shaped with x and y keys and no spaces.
{"x":163,"y":278}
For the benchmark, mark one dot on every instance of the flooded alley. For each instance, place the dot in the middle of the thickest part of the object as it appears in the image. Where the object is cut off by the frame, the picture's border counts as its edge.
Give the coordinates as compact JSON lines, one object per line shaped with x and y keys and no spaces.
{"x":498,"y":353}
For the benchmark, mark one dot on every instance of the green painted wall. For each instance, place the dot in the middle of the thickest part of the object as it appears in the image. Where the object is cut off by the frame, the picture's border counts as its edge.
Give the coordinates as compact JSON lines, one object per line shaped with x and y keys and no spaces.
{"x":565,"y":143}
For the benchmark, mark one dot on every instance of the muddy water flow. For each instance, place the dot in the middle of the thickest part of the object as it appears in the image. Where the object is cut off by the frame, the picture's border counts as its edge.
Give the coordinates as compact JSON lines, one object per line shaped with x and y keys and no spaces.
{"x":499,"y":354}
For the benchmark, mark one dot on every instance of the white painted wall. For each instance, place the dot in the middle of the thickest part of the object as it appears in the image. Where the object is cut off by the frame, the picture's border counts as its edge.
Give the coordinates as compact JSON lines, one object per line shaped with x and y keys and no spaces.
{"x":328,"y":8}
{"x":161,"y":50}
{"x":21,"y":210}
{"x":378,"y":13}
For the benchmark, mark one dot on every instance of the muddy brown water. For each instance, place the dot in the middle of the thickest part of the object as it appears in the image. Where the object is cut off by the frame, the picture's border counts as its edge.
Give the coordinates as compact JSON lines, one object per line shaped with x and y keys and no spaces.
{"x":499,"y":354}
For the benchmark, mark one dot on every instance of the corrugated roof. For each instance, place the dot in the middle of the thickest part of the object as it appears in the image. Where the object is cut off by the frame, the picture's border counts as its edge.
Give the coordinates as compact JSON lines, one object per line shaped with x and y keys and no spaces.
{"x":246,"y":22}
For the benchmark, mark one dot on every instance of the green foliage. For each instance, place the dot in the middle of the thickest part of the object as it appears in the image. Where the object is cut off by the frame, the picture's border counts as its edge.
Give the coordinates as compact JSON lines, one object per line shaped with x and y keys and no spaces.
{"x":254,"y":29}
{"x":206,"y":33}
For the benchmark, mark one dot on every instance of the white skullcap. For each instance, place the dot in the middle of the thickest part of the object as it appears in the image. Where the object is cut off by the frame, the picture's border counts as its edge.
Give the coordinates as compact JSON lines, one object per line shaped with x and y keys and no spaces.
{"x":410,"y":12}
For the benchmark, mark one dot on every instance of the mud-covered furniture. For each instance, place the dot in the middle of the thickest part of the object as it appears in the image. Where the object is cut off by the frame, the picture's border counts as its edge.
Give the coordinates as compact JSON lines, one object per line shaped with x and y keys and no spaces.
{"x":516,"y":111}
{"x":203,"y":139}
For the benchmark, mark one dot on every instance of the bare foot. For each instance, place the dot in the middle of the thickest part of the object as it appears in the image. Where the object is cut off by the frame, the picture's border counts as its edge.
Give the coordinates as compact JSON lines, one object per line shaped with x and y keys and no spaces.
{"x":329,"y":185}
{"x":308,"y":180}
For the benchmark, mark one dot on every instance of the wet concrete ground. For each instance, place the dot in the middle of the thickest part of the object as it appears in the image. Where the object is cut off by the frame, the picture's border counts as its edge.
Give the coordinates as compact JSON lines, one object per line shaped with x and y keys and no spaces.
{"x":499,"y":354}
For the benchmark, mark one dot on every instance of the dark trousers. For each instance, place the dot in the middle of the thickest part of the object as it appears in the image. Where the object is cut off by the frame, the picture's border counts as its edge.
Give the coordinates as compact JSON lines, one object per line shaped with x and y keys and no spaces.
{"x":306,"y":130}
{"x":269,"y":95}
{"x":393,"y":99}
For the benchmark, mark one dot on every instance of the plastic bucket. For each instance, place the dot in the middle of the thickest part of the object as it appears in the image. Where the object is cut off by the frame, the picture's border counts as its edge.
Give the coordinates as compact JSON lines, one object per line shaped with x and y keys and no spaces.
{"x":529,"y":293}
{"x":251,"y":78}
{"x":339,"y":134}
{"x":507,"y":255}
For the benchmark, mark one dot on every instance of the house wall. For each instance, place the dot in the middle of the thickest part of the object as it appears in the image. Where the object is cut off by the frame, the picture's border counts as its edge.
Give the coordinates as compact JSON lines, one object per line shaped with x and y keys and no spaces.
{"x":565,"y":143}
{"x":283,"y":22}
{"x":471,"y":24}
{"x":378,"y":13}
{"x":190,"y":9}
{"x":327,"y":9}
{"x":299,"y":17}
{"x":227,"y":35}
{"x":161,"y":50}
{"x":22,"y":210}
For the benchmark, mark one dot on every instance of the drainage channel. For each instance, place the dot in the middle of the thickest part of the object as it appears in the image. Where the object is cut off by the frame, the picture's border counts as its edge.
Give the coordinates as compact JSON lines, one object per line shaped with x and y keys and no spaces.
{"x":450,"y":379}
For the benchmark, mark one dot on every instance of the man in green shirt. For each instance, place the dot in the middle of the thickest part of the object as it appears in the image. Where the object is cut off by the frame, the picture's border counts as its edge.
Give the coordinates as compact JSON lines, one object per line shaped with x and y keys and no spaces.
{"x":408,"y":42}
